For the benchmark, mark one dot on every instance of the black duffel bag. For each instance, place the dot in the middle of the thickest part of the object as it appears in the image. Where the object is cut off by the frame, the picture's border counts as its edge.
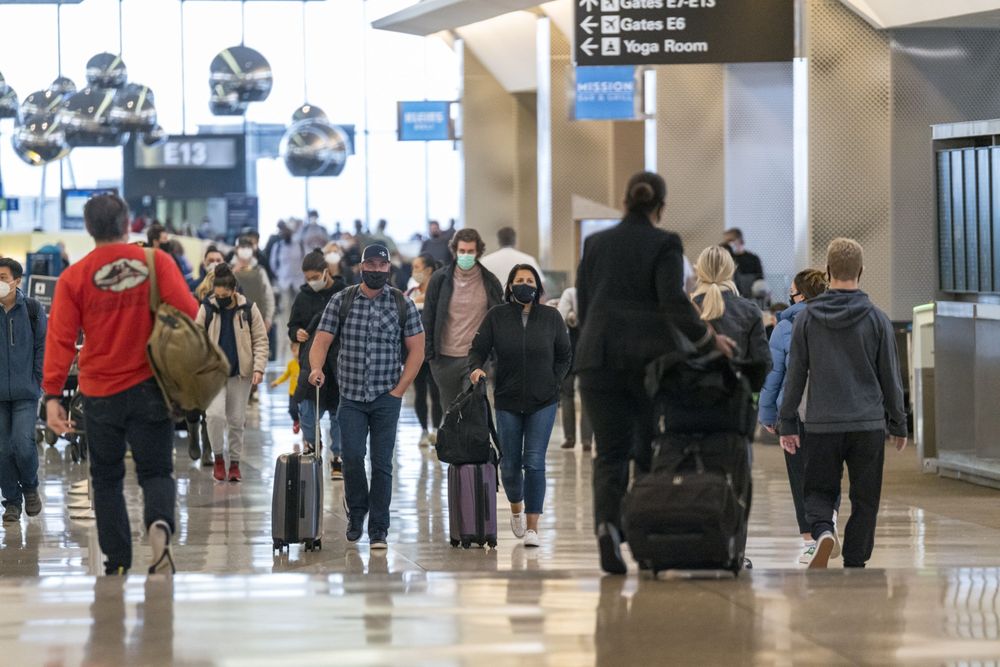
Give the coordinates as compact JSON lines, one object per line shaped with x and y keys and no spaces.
{"x":467,"y":435}
{"x":694,"y":393}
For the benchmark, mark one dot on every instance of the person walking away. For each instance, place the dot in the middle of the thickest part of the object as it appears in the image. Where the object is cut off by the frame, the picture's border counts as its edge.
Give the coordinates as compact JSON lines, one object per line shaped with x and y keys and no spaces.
{"x":748,"y":265}
{"x":237,"y":326}
{"x":372,"y":380}
{"x":846,"y":349}
{"x":629,"y":286}
{"x":457,"y":300}
{"x":424,"y":385}
{"x":806,"y":286}
{"x":291,"y":376}
{"x":22,"y":329}
{"x":533,"y":357}
{"x":106,"y":295}
{"x":501,"y":262}
{"x":437,"y":245}
{"x":321,"y":284}
{"x":567,"y":395}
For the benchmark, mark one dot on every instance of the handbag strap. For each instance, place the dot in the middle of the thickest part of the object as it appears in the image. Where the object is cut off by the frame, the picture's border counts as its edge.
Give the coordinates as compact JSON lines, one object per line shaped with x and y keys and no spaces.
{"x":494,"y":438}
{"x":154,"y":288}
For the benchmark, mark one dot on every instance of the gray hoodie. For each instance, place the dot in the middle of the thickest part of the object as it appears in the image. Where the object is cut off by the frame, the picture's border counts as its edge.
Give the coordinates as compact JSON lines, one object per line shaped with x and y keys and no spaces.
{"x":846,"y":349}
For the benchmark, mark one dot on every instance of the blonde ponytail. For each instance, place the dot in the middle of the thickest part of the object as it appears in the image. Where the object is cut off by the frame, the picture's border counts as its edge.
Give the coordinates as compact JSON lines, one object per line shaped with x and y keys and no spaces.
{"x":715,"y":270}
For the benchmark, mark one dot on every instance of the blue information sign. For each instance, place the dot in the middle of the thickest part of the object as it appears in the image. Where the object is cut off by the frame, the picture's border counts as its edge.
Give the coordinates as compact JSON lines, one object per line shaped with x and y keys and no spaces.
{"x":605,"y":93}
{"x":425,"y":121}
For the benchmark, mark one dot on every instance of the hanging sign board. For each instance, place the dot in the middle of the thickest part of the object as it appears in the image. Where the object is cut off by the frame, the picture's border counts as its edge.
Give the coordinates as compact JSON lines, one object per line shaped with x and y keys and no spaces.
{"x":425,"y":121}
{"x":675,"y":32}
{"x":605,"y":93}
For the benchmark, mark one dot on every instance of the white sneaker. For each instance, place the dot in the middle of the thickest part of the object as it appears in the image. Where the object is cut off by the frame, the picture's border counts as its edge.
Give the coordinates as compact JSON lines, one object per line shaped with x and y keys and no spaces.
{"x":531,"y":539}
{"x":808,"y":551}
{"x":518,"y":525}
{"x":159,"y":543}
{"x":824,"y":548}
{"x":425,"y":439}
{"x":434,"y":438}
{"x":82,"y":490}
{"x":836,"y":539}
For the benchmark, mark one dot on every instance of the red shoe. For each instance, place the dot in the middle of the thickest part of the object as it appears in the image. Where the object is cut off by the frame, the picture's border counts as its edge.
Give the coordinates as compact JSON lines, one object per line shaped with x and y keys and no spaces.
{"x":234,"y":472}
{"x":295,"y":427}
{"x":220,"y":468}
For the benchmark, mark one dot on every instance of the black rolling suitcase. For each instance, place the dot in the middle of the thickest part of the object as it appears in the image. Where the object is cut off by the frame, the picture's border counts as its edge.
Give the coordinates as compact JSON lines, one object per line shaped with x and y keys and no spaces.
{"x":691,"y":511}
{"x":297,"y":500}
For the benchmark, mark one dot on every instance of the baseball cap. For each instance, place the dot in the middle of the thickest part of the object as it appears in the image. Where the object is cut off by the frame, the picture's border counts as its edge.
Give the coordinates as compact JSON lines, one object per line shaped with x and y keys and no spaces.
{"x":375,"y":252}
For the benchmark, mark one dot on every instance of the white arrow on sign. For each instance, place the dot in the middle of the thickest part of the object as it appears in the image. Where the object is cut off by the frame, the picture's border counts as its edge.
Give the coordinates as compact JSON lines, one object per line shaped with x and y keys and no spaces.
{"x":588,"y":46}
{"x":589,"y":24}
{"x":589,"y":5}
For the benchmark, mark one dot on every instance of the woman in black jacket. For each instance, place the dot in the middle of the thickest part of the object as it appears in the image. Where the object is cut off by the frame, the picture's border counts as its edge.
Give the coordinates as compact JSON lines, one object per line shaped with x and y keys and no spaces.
{"x":630,"y":290}
{"x":533,"y":356}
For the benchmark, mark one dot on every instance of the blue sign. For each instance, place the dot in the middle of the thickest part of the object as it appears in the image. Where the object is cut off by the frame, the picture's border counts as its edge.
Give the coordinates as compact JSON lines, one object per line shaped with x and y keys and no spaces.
{"x":10,"y":204}
{"x":425,"y":121}
{"x":605,"y":93}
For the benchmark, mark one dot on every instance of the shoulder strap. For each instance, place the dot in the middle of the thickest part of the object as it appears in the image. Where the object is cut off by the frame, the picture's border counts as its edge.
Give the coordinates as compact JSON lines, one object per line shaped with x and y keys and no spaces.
{"x":33,"y":310}
{"x":350,"y":295}
{"x":154,"y":289}
{"x":209,"y":313}
{"x":403,"y":309}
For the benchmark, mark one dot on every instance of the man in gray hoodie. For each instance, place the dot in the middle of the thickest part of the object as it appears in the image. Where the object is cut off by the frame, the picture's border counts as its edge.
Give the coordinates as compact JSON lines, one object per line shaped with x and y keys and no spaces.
{"x":846,"y":349}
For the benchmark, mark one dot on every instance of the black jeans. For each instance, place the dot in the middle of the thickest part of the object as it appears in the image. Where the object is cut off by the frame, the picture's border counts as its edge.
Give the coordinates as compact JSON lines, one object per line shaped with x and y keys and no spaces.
{"x":796,"y":466}
{"x":424,"y":386}
{"x":864,"y":454}
{"x":137,"y":416}
{"x":622,"y":416}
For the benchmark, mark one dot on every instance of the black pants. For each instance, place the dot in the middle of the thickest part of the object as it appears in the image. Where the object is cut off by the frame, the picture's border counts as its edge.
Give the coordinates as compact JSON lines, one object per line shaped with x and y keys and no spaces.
{"x":796,"y":466}
{"x":567,"y":403}
{"x":424,"y":386}
{"x":622,"y":416}
{"x":138,"y":416}
{"x":864,"y":454}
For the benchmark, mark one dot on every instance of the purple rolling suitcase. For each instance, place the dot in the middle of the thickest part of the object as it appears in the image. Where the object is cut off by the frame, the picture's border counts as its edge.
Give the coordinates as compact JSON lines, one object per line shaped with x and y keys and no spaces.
{"x":472,"y":504}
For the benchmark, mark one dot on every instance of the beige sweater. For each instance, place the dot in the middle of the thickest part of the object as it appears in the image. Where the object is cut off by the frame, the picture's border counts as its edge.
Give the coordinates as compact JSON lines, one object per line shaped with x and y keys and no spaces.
{"x":466,"y":311}
{"x":251,"y":341}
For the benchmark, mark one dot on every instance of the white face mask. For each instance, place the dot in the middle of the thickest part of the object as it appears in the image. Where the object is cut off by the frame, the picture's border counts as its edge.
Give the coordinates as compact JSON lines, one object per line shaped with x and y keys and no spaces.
{"x":245,"y":253}
{"x":317,"y":285}
{"x":5,"y":290}
{"x":332,"y":259}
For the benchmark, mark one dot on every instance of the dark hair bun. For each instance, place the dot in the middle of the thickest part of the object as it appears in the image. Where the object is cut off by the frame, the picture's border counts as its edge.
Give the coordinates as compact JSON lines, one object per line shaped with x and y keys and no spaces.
{"x":646,"y":192}
{"x":642,"y":193}
{"x":223,"y":270}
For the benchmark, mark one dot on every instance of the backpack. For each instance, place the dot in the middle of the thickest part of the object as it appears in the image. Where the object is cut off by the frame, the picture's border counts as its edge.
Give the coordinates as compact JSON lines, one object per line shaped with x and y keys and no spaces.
{"x":211,"y":310}
{"x":467,"y":434}
{"x":34,"y":308}
{"x":189,"y":368}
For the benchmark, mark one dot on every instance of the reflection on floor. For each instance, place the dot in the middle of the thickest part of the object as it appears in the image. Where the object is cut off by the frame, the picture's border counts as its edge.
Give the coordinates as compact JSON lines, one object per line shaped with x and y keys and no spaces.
{"x":936,"y":599}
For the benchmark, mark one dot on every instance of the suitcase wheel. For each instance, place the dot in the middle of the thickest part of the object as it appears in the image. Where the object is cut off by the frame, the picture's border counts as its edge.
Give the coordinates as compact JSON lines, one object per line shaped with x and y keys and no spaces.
{"x":492,"y":544}
{"x":74,"y":451}
{"x":277,"y":545}
{"x":309,"y":545}
{"x":466,"y":544}
{"x":455,"y":543}
{"x":318,"y":545}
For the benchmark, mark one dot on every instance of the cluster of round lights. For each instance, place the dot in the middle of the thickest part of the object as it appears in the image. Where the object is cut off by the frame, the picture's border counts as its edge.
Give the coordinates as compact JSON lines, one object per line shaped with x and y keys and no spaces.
{"x":239,"y":75}
{"x":313,"y":146}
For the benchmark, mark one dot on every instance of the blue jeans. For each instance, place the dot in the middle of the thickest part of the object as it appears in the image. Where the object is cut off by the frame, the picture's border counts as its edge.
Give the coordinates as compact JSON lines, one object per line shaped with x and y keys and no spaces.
{"x":524,"y":439}
{"x":307,"y":422}
{"x":357,"y":420}
{"x":18,"y":453}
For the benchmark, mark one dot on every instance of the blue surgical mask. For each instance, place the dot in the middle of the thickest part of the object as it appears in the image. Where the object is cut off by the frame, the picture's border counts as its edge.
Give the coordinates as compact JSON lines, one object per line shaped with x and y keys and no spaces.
{"x":466,"y":262}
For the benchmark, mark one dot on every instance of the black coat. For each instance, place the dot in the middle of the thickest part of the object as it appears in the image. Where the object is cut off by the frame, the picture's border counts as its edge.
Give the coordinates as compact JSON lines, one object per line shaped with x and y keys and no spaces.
{"x":438,"y":299}
{"x":532,"y":361}
{"x":630,"y":290}
{"x":308,"y":304}
{"x":744,"y":323}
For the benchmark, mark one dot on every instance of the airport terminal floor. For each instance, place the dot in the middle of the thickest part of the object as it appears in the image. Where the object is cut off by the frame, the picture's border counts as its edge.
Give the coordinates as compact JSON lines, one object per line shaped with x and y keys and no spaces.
{"x":930,"y":596}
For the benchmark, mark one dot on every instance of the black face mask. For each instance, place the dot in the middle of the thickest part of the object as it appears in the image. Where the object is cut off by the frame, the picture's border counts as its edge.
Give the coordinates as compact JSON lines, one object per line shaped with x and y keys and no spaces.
{"x":224,"y":302}
{"x":524,"y":294}
{"x":375,"y":280}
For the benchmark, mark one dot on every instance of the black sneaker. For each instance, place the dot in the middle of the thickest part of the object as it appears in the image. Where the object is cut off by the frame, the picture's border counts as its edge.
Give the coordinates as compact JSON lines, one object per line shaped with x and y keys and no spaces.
{"x":378,"y":539}
{"x":12,"y":514}
{"x":32,"y":503}
{"x":194,"y":441}
{"x":609,"y":543}
{"x":355,"y":529}
{"x":337,"y":469}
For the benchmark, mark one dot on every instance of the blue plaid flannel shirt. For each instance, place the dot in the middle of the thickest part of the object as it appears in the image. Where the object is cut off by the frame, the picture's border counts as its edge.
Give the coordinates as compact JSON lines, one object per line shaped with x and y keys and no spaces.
{"x":369,"y":364}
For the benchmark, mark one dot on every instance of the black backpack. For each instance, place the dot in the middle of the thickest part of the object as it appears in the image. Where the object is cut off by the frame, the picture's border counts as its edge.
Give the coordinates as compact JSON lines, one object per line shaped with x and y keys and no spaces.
{"x":34,"y":309}
{"x":468,"y":435}
{"x":246,"y":311}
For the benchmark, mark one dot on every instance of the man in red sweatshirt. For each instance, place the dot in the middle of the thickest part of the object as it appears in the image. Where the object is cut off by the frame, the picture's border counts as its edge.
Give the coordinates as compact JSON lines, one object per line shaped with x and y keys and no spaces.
{"x":107,"y":296}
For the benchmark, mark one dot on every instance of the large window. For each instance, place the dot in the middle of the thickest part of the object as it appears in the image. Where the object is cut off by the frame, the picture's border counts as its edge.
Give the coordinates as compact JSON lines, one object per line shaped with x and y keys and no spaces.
{"x":355,"y":74}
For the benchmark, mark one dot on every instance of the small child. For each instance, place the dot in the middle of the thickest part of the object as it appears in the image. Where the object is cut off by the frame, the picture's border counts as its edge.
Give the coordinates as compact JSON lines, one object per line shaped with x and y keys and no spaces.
{"x":291,"y":376}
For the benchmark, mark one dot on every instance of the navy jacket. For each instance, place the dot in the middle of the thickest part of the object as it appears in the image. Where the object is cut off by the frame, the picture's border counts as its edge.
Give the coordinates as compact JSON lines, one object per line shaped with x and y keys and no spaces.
{"x":22,"y":353}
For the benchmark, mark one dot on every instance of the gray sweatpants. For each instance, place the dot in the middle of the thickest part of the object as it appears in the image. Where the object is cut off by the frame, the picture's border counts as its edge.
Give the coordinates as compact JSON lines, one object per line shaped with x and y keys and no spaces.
{"x":228,"y":412}
{"x":452,"y":377}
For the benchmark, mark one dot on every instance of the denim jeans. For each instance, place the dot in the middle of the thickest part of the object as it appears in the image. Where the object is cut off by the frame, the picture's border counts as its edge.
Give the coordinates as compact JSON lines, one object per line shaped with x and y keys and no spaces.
{"x":307,"y":422}
{"x":18,"y":453}
{"x":524,"y":439}
{"x":138,"y":416}
{"x":357,"y":420}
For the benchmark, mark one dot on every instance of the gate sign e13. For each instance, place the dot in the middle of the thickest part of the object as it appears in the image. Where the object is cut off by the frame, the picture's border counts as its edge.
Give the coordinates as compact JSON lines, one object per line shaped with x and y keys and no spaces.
{"x":675,"y":32}
{"x":605,"y":93}
{"x":425,"y":121}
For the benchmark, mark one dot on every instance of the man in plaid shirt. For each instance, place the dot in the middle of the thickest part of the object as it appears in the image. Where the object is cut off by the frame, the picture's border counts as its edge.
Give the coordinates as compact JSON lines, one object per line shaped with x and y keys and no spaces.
{"x":372,"y":382}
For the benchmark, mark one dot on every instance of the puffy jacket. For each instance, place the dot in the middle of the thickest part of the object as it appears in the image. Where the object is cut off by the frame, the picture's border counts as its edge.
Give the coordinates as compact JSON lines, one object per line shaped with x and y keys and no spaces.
{"x":251,"y":336}
{"x":22,"y":353}
{"x":774,"y":386}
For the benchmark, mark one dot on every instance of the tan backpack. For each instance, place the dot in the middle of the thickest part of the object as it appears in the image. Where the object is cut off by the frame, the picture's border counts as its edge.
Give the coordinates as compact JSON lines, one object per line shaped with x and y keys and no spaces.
{"x":190,"y":369}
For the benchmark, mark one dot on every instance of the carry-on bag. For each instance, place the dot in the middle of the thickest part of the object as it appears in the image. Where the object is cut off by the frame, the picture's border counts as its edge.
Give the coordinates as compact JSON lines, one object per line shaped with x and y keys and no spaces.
{"x":297,"y":501}
{"x":691,"y":511}
{"x":467,"y":432}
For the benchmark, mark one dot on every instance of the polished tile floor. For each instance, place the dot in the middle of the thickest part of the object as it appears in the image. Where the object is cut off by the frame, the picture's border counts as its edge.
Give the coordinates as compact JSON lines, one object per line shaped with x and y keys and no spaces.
{"x":932,"y":595}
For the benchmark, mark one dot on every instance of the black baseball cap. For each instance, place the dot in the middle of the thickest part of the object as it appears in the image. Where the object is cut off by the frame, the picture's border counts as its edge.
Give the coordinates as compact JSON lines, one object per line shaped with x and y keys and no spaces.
{"x":375,"y":252}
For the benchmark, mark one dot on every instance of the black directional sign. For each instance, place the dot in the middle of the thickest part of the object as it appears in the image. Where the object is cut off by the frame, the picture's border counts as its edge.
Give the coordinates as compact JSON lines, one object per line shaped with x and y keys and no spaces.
{"x":674,"y":32}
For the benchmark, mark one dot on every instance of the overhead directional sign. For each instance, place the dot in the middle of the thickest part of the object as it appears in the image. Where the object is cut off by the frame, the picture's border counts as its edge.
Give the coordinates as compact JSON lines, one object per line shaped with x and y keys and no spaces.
{"x":674,"y":32}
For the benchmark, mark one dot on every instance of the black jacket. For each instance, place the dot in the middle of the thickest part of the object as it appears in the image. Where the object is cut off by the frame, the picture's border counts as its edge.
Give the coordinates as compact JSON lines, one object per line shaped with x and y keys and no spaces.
{"x":744,"y":323}
{"x":630,"y":289}
{"x":308,"y":304}
{"x":438,"y":299}
{"x":532,"y":361}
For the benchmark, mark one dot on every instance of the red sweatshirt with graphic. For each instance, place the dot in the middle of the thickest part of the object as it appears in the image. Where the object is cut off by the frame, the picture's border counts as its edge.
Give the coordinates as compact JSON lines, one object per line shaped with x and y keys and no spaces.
{"x":106,"y":295}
